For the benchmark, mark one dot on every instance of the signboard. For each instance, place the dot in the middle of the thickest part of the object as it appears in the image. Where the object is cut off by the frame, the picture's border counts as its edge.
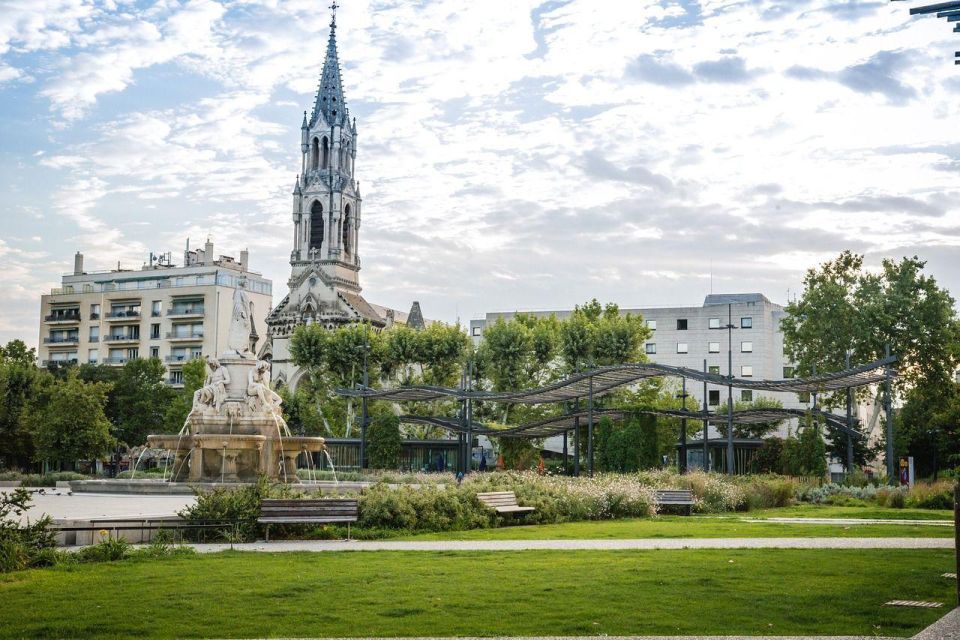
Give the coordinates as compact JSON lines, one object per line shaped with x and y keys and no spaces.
{"x":906,"y":471}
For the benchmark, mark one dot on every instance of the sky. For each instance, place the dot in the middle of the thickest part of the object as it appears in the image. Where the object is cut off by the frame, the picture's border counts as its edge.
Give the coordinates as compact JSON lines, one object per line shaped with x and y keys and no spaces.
{"x":512,"y":154}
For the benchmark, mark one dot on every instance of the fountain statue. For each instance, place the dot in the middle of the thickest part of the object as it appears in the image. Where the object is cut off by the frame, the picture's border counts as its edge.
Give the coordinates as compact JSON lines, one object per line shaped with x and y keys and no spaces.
{"x":235,"y":431}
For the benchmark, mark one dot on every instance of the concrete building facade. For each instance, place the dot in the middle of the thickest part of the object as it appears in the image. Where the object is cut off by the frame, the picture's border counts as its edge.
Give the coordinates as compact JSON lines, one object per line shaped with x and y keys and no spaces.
{"x":161,"y":310}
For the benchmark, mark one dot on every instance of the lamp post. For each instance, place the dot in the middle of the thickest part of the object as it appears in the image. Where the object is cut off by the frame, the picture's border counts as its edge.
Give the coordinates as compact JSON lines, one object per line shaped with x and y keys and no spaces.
{"x":682,"y":462}
{"x":731,"y":467}
{"x":706,"y":422}
{"x":365,"y":417}
{"x":891,"y":468}
{"x":846,"y":365}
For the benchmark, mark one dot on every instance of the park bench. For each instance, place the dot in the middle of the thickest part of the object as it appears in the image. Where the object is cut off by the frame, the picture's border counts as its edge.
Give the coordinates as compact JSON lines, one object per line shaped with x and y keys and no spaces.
{"x":308,"y":512}
{"x":675,"y":498}
{"x":503,"y":502}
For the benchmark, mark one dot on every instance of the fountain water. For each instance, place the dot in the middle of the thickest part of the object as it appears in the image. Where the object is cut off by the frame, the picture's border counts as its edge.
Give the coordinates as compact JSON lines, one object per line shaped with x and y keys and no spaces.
{"x":332,"y":468}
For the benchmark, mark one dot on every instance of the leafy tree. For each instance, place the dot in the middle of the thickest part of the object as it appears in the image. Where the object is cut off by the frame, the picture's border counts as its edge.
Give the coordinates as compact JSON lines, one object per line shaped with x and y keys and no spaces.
{"x":194,"y":375}
{"x":806,"y":453}
{"x":758,"y":430}
{"x":628,"y":448}
{"x":20,"y":380}
{"x":384,"y":446}
{"x":68,"y":421}
{"x":844,"y":306}
{"x":140,"y":400}
{"x":601,"y":335}
{"x":301,"y":412}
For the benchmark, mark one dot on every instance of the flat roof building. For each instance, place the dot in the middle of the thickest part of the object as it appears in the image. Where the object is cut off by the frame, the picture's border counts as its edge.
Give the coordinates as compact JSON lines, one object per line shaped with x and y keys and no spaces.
{"x":162,"y":310}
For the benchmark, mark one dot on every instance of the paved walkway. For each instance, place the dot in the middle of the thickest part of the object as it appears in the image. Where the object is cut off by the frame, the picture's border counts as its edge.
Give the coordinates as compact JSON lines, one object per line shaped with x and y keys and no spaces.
{"x":594,"y":545}
{"x":62,"y":505}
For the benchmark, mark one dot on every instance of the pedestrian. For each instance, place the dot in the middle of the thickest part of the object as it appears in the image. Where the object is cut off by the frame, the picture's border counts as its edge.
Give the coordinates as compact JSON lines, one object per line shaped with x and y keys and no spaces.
{"x":483,"y":461}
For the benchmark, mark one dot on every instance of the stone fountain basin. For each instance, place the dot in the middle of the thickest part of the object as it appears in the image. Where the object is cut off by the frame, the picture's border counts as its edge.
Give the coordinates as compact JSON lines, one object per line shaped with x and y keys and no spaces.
{"x":233,"y":441}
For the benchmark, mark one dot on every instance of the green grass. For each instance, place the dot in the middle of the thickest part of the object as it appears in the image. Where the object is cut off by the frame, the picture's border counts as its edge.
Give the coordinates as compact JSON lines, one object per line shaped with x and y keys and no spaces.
{"x":687,"y":527}
{"x":828,"y":511}
{"x":696,"y":592}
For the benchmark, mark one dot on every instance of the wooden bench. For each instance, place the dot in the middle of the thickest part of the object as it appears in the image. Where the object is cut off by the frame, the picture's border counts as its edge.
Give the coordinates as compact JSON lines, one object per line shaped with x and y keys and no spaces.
{"x":503,"y":502}
{"x":675,"y":498}
{"x":308,"y":512}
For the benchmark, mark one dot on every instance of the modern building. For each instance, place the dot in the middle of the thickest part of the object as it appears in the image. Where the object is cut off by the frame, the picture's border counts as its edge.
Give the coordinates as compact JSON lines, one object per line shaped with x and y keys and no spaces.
{"x":327,"y":210}
{"x":161,"y":310}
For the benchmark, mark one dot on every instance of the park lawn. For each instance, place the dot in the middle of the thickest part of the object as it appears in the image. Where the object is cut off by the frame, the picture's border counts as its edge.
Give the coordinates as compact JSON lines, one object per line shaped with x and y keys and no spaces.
{"x":695,"y":592}
{"x":729,"y":526}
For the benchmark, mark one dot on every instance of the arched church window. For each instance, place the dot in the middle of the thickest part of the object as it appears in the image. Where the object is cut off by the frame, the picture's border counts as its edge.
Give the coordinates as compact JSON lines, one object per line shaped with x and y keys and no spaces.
{"x":346,"y":230}
{"x":326,"y":153}
{"x":316,"y":225}
{"x":315,"y":154}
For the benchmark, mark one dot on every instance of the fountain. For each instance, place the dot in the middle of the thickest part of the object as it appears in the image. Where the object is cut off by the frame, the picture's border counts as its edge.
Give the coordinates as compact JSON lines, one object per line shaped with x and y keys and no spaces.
{"x":234,"y":432}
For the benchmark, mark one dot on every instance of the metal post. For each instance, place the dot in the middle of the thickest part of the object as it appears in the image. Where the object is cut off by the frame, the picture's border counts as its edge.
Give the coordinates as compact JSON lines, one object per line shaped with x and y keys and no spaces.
{"x":469,"y":418}
{"x":891,"y":469}
{"x":682,"y":462}
{"x":364,"y":415}
{"x":576,"y":439}
{"x":590,"y":429}
{"x":706,"y":422}
{"x":814,"y":374}
{"x":731,"y":469}
{"x":566,"y":459}
{"x":846,"y":365}
{"x":956,"y":535}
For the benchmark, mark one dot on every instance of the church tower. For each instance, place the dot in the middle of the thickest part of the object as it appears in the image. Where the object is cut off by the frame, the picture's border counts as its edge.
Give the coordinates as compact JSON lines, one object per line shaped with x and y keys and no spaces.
{"x":324,"y":264}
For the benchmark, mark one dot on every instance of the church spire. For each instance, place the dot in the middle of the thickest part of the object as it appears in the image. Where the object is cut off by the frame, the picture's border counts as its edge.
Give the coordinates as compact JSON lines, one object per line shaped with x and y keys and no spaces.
{"x":330,"y":103}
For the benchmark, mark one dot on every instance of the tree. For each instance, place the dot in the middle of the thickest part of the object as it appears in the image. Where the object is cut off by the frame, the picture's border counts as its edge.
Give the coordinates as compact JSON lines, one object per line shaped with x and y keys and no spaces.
{"x":384,"y":446}
{"x":194,"y":375}
{"x":846,"y":307}
{"x":806,"y":453}
{"x":601,"y":335}
{"x":140,"y":400}
{"x":20,"y":380}
{"x":68,"y":421}
{"x":755,"y":430}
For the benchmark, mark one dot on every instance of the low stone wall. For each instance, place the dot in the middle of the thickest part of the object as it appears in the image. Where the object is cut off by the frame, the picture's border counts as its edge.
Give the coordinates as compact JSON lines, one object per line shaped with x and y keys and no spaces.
{"x":133,"y":530}
{"x":158,"y":487}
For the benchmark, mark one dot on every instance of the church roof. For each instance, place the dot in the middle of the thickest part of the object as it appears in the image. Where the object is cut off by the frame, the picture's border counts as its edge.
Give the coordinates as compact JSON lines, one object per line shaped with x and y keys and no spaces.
{"x":361,"y":306}
{"x":330,"y":103}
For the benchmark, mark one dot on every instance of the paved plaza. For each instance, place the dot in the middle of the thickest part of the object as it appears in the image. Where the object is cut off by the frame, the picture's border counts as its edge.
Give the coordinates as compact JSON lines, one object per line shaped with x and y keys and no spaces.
{"x":60,"y":504}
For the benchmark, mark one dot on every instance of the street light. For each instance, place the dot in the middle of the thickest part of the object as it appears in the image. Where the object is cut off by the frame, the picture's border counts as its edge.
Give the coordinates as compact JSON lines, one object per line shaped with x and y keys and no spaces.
{"x":731,"y":468}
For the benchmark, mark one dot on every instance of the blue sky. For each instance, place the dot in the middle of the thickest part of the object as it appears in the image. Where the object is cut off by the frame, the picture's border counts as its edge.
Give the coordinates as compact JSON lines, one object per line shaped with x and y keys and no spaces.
{"x":512,"y":154}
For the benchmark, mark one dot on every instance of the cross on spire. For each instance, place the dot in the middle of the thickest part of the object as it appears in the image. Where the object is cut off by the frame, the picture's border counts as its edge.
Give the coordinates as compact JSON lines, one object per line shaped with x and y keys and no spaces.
{"x":333,"y":13}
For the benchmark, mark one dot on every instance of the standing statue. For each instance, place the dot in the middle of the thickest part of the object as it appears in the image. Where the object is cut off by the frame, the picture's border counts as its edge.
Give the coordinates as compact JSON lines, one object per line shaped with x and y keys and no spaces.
{"x":260,"y":396}
{"x":241,"y":324}
{"x":213,"y":393}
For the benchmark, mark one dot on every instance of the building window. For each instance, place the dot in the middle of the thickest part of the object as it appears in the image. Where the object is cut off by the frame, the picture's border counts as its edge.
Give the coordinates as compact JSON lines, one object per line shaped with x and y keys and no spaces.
{"x":746,"y":323}
{"x":714,"y":323}
{"x":93,"y":356}
{"x":476,"y":331}
{"x":133,"y":354}
{"x":746,"y":371}
{"x":714,"y":397}
{"x":682,"y":347}
{"x":788,"y":372}
{"x":95,"y":312}
{"x":155,"y":331}
{"x":155,"y":309}
{"x":746,"y":395}
{"x":681,"y":324}
{"x":713,"y":347}
{"x":95,"y":333}
{"x":652,"y":325}
{"x":154,"y":352}
{"x":803,"y":397}
{"x":176,"y":377}
{"x":651,"y":347}
{"x":746,"y":347}
{"x":714,"y":369}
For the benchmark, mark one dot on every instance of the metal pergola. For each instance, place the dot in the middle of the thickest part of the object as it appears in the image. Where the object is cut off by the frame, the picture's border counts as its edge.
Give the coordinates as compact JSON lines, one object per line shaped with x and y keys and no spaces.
{"x":600,"y":381}
{"x":948,"y":10}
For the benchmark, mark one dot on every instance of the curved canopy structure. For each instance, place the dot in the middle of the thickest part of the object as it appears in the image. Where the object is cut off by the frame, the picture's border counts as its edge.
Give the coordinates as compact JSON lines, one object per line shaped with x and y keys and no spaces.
{"x":558,"y":424}
{"x":603,"y":380}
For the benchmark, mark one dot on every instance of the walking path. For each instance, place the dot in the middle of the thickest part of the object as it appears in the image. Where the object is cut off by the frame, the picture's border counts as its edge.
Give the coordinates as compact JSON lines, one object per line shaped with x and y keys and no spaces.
{"x":594,"y":545}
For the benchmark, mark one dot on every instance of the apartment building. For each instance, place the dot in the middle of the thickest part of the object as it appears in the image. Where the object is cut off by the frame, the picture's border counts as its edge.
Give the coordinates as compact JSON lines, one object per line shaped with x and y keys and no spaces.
{"x":162,"y":310}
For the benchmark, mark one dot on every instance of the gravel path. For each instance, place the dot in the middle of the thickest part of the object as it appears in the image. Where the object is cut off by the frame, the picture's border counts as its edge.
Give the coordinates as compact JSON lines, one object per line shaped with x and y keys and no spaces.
{"x":595,"y":545}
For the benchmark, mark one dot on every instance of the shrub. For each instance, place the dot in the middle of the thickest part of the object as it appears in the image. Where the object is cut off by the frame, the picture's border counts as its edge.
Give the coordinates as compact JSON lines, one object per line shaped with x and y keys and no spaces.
{"x":21,"y":546}
{"x":42,"y":480}
{"x":107,"y":550}
{"x":237,"y":508}
{"x":937,"y":495}
{"x":766,"y":492}
{"x":384,"y":445}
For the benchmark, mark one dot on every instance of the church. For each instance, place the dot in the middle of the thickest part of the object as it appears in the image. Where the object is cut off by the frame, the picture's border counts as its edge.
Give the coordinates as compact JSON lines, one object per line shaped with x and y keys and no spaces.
{"x":327,"y":211}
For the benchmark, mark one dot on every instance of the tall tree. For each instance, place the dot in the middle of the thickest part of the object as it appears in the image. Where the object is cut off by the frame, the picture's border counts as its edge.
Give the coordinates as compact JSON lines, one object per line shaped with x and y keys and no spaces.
{"x":68,"y":421}
{"x":20,"y":380}
{"x":140,"y":399}
{"x":194,"y":375}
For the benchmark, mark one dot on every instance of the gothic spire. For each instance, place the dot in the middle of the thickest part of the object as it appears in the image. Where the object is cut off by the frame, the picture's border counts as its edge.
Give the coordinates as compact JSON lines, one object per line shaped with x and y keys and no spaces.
{"x":330,"y":102}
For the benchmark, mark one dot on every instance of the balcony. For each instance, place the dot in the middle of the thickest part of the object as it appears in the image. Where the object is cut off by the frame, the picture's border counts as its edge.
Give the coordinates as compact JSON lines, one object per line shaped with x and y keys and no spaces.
{"x":186,"y":312}
{"x":177,"y":336}
{"x":116,"y":360}
{"x":181,"y":358}
{"x":59,"y":363}
{"x":62,"y":340}
{"x":94,"y":316}
{"x":124,"y":314}
{"x":63,"y":318}
{"x":176,"y":384}
{"x":120,"y":337}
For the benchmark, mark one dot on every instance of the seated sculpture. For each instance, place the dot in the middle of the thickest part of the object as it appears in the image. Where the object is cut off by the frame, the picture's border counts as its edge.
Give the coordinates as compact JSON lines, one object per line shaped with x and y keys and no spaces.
{"x":260,"y":397}
{"x":213,"y":393}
